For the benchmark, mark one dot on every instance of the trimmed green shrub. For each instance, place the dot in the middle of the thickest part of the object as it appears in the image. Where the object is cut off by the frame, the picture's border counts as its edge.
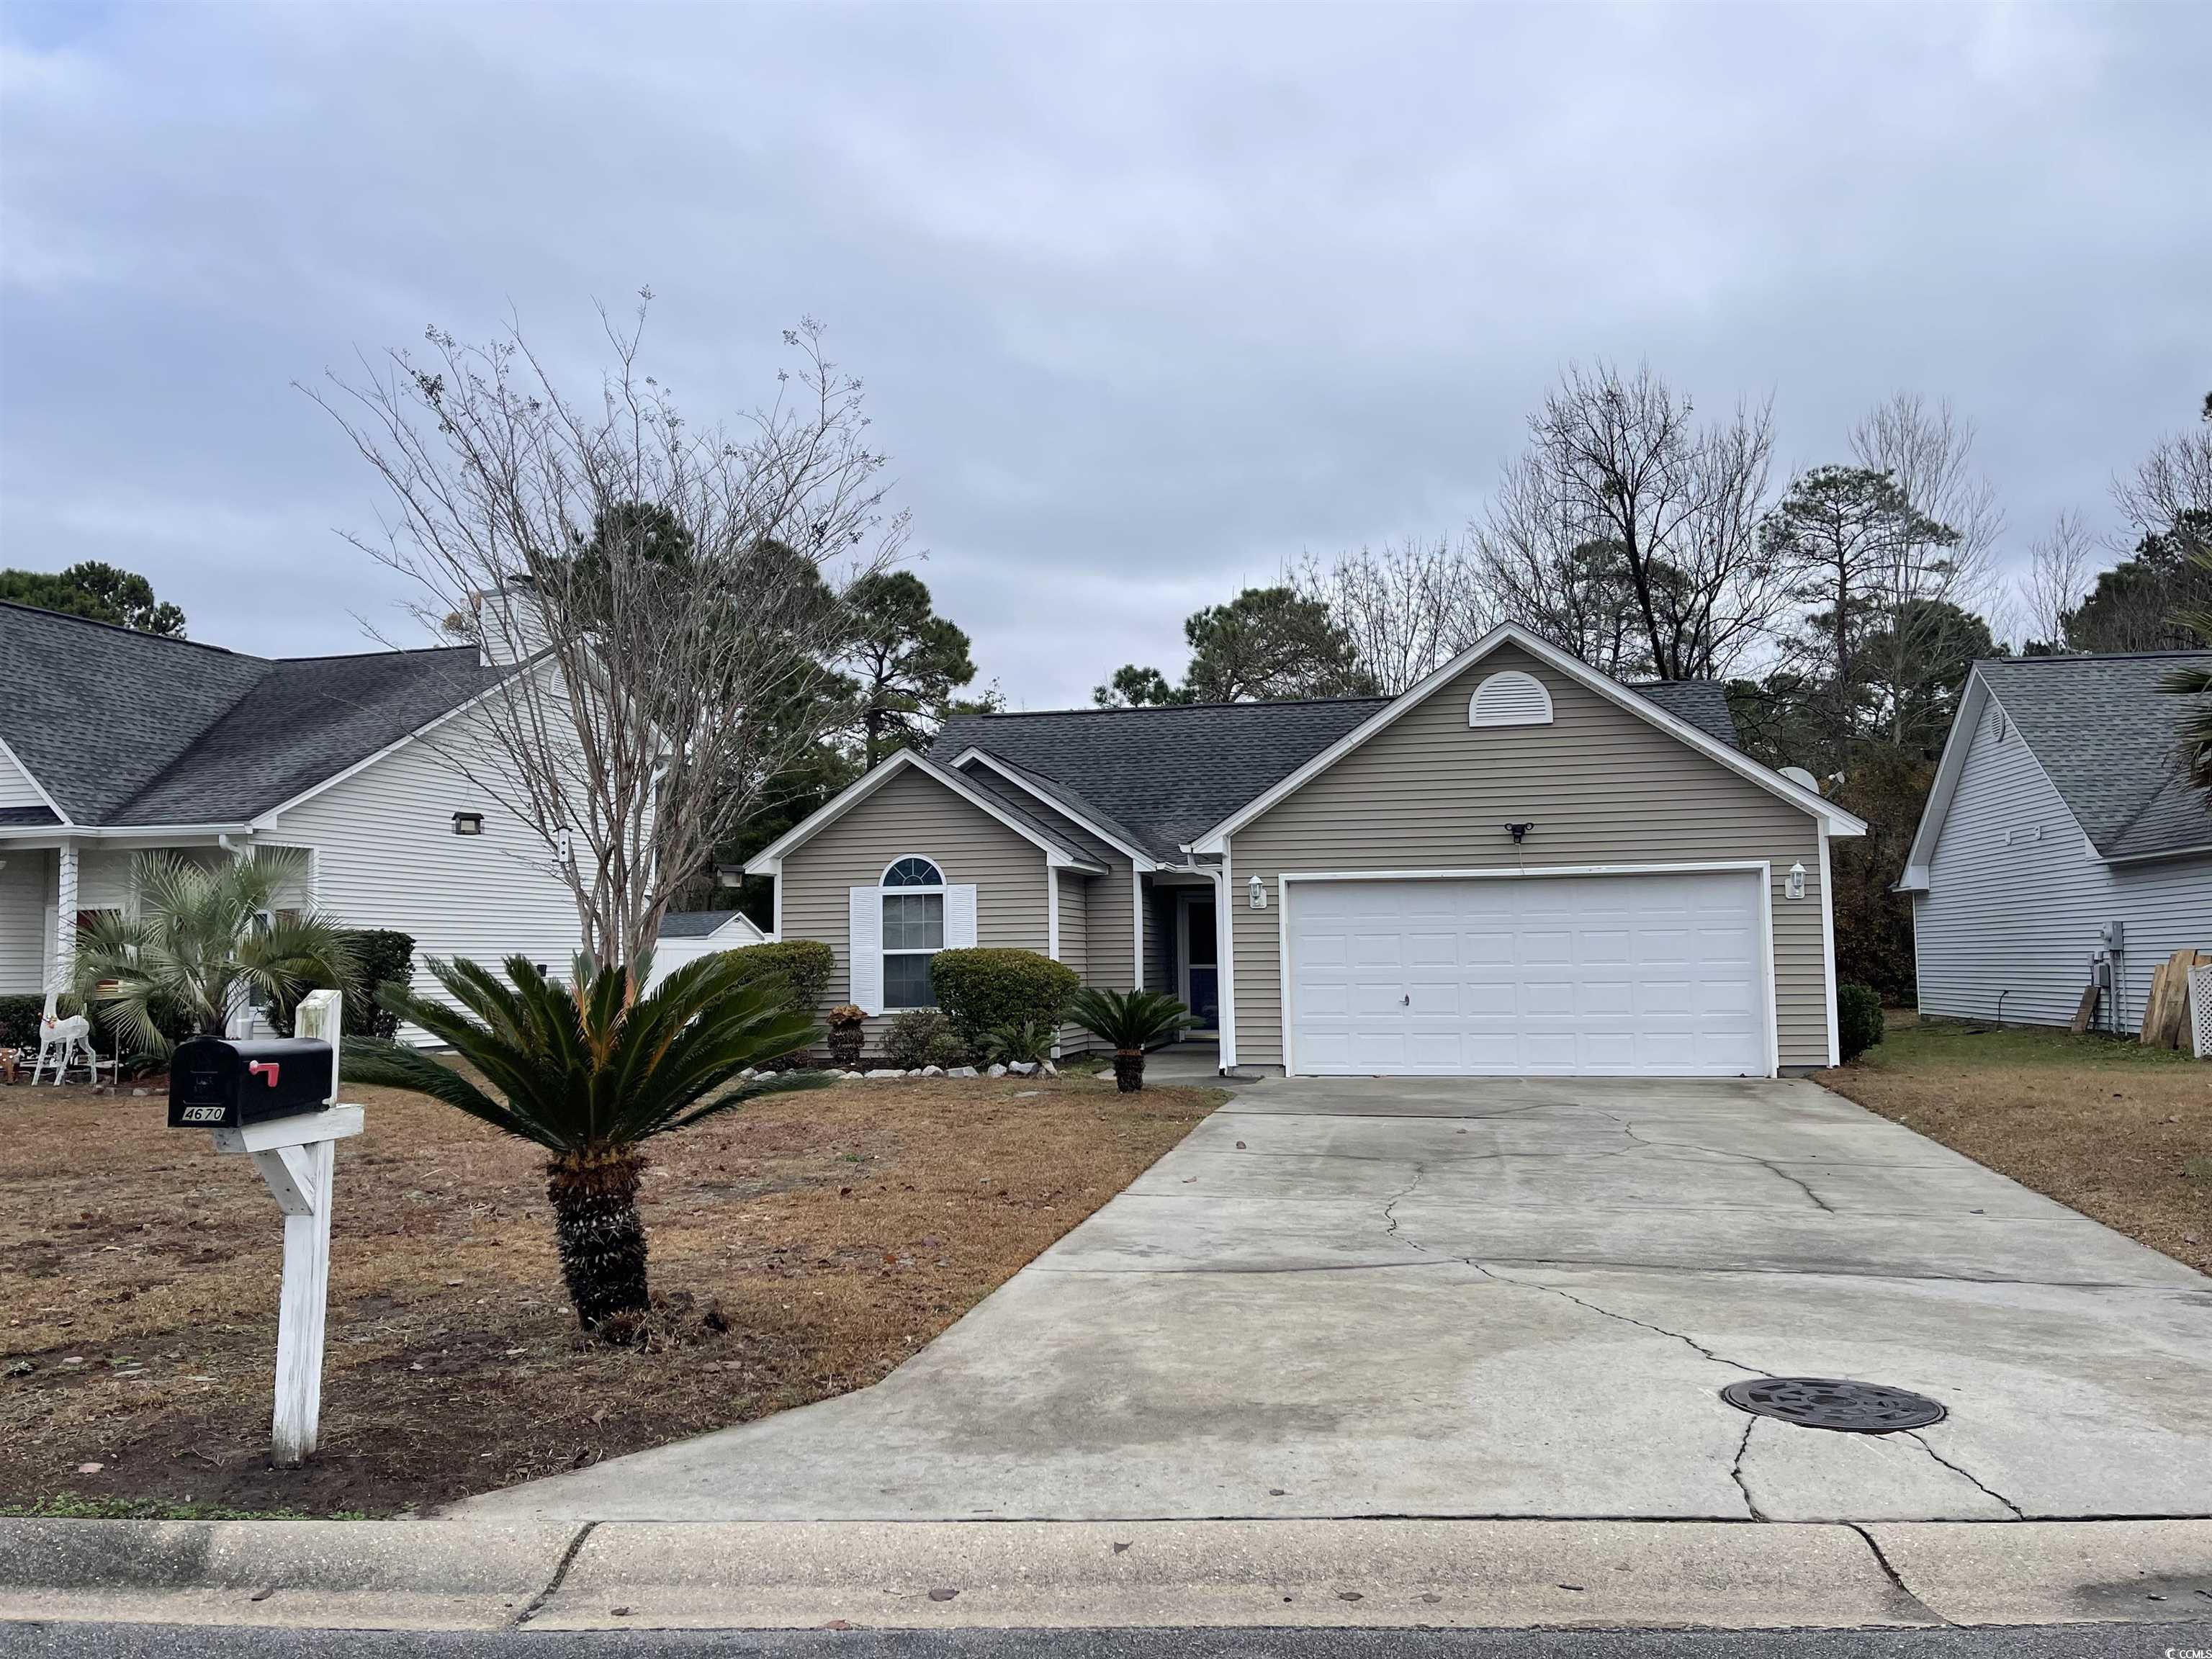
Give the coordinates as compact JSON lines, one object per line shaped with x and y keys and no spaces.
{"x":923,"y":1037}
{"x":19,"y":1019}
{"x":1858,"y":1019}
{"x":803,"y":964}
{"x":384,"y":957}
{"x":982,"y":991}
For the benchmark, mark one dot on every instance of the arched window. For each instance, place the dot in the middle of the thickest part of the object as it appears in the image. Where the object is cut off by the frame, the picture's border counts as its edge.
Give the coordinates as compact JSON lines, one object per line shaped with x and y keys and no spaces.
{"x":913,"y":930}
{"x":1509,"y":698}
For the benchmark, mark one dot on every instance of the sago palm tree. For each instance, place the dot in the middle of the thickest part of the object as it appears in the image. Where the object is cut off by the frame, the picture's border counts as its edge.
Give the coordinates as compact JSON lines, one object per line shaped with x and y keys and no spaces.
{"x":1132,"y":1021}
{"x":207,"y":940}
{"x":590,"y":1071}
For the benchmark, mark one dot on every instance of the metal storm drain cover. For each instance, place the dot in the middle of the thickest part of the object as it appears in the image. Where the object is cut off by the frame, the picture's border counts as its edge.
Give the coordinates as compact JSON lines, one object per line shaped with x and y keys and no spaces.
{"x":1828,"y":1402}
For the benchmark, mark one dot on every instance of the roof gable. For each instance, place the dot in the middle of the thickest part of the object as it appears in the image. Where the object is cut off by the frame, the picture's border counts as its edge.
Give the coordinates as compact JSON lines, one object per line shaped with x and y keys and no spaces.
{"x":1837,"y":821}
{"x":131,"y":728}
{"x":2104,"y":734}
{"x":1005,"y":806}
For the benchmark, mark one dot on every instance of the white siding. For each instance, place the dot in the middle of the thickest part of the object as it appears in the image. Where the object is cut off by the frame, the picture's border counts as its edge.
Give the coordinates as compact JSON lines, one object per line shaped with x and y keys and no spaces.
{"x":16,"y":789}
{"x":387,"y":857}
{"x":26,"y":887}
{"x":2015,"y":898}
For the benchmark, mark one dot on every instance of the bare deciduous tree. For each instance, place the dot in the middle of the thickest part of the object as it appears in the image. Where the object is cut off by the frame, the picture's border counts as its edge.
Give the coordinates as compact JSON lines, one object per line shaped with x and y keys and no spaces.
{"x":1407,"y":610}
{"x":2171,"y":489}
{"x":670,"y":595}
{"x":2062,"y":563}
{"x":1925,"y":576}
{"x":1629,"y":535}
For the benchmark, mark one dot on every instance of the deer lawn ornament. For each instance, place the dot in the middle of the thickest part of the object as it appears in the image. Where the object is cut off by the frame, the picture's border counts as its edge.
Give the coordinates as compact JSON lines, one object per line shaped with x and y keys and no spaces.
{"x":64,"y":1040}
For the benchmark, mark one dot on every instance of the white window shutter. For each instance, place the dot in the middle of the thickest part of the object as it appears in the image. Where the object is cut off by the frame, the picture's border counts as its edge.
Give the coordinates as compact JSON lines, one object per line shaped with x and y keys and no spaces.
{"x":865,"y":940}
{"x":960,"y":918}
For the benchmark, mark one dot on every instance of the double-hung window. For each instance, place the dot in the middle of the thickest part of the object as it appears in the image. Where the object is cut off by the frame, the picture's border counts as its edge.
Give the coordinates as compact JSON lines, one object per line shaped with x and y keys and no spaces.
{"x":913,"y":930}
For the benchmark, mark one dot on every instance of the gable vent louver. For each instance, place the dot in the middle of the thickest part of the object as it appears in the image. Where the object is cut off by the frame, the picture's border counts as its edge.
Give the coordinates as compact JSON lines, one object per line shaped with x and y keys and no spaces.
{"x":1511,"y":697}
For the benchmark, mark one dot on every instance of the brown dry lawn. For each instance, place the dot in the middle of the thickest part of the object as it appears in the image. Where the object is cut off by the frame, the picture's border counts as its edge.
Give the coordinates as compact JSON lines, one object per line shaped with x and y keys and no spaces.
{"x":805,"y":1246}
{"x":2117,"y":1131}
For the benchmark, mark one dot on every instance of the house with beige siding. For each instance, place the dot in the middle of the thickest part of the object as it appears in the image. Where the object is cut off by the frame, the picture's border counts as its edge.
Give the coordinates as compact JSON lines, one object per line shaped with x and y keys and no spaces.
{"x":1518,"y":867}
{"x":2063,"y":847}
{"x":114,"y":743}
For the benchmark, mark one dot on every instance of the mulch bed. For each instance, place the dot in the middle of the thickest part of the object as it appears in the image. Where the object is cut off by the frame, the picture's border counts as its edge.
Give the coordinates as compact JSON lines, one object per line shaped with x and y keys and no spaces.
{"x":801,"y":1248}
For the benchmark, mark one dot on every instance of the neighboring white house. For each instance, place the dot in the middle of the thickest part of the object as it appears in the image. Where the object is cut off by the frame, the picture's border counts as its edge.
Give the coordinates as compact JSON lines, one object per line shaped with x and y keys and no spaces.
{"x":688,"y":935}
{"x":113,"y":742}
{"x":2060,"y":842}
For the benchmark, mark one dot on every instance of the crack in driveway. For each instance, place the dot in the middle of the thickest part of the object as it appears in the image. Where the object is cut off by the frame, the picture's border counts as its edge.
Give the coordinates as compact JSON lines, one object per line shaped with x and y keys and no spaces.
{"x":1488,"y":1271}
{"x":1968,"y":1475}
{"x":1389,"y":1211}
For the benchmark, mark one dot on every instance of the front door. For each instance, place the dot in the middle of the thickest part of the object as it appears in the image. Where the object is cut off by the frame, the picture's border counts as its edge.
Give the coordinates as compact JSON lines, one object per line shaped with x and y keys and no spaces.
{"x":1201,"y":972}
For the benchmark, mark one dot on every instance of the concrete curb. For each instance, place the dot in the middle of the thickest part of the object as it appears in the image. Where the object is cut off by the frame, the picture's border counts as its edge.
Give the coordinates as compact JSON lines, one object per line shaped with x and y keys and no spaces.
{"x":922,"y":1575}
{"x":456,"y":1574}
{"x":344,"y":1575}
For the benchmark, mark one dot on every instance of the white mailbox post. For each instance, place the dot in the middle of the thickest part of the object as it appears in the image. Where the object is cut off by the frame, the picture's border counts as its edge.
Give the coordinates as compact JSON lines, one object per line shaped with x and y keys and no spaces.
{"x":295,"y":1155}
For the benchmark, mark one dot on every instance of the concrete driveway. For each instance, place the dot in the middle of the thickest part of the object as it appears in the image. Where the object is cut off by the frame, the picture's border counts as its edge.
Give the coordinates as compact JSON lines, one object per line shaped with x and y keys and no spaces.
{"x":1492,"y":1299}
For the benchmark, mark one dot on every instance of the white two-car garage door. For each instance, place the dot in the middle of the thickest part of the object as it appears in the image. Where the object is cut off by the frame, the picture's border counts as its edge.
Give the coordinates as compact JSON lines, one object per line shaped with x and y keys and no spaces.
{"x":1639,"y":976}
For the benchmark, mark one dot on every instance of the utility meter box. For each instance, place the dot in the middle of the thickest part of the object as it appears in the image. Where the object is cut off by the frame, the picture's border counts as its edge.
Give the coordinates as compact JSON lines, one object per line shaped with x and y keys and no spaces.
{"x":217,"y":1084}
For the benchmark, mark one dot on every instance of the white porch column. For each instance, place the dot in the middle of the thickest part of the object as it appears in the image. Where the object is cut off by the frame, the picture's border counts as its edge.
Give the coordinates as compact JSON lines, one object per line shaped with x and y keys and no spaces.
{"x":64,"y":967}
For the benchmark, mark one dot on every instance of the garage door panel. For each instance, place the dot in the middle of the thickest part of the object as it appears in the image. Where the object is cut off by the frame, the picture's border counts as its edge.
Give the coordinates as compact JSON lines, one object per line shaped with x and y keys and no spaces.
{"x":1553,"y":975}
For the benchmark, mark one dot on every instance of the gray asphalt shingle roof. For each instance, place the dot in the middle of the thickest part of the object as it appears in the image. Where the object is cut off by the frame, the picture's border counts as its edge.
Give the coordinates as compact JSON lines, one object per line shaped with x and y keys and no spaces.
{"x":1161,"y":777}
{"x":2110,"y":739}
{"x":125,"y":728}
{"x":696,"y":924}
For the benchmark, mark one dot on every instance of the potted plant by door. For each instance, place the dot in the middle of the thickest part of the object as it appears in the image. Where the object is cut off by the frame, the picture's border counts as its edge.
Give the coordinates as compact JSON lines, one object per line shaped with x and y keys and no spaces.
{"x":844,"y":1022}
{"x":1132,"y":1021}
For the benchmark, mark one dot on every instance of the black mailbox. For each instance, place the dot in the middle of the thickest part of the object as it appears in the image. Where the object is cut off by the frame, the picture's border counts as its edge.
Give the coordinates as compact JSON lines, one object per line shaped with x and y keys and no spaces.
{"x":216,"y":1084}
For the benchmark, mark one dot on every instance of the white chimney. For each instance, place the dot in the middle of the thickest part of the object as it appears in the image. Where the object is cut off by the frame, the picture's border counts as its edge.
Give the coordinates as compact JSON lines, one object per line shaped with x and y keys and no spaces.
{"x":508,"y":622}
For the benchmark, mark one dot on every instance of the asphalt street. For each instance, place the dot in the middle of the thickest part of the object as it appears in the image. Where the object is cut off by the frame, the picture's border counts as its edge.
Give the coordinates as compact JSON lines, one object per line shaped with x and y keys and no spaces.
{"x":90,"y":1641}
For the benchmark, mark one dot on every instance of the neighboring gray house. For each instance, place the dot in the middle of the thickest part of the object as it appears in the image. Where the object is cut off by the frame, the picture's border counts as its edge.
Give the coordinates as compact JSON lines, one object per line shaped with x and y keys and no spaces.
{"x":2061,"y":839}
{"x":113,"y":742}
{"x":1518,"y":867}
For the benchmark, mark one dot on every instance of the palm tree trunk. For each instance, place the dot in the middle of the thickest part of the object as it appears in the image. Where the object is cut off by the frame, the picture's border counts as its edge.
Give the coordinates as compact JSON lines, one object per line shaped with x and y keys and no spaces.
{"x":1129,"y":1070}
{"x":601,"y":1235}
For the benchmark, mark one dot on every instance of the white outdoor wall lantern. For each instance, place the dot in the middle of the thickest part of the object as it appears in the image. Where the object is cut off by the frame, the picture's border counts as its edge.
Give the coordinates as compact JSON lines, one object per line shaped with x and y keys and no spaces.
{"x":1258,"y":891}
{"x":1793,"y":884}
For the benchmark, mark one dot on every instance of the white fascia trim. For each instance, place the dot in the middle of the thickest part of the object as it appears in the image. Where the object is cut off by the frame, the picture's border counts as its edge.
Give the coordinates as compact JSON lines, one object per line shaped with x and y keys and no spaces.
{"x":1952,"y":762}
{"x":2145,"y":858}
{"x":1763,"y":868}
{"x":1136,"y":855}
{"x":1828,"y":950}
{"x":768,"y":860}
{"x":30,"y":777}
{"x":1839,"y":822}
{"x":155,"y":833}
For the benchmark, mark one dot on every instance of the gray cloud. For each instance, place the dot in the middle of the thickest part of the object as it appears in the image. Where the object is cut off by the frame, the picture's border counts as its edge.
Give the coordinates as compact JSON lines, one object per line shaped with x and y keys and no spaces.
{"x":1147,"y":300}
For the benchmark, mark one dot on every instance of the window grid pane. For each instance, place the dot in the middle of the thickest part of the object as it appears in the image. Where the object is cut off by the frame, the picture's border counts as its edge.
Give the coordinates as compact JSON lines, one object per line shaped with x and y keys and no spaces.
{"x":906,"y":983}
{"x":914,"y":922}
{"x":914,"y":872}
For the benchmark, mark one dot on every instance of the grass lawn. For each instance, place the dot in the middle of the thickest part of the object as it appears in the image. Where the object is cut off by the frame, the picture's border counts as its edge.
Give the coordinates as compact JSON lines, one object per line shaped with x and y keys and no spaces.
{"x":2117,"y":1131}
{"x":806,"y":1245}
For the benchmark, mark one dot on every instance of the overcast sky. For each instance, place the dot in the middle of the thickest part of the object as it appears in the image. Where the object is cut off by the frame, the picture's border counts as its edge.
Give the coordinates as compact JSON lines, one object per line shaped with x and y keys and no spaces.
{"x":1146,"y":301}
